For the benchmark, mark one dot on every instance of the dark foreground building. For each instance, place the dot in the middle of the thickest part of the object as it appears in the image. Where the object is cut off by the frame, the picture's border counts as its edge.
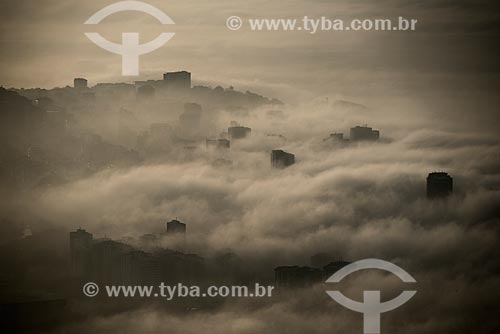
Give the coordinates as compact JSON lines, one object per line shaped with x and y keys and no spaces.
{"x":115,"y":262}
{"x":336,"y":138}
{"x":439,"y":185}
{"x":80,"y":83}
{"x":176,"y":227}
{"x":177,"y":81}
{"x":281,"y":159}
{"x":80,"y":242}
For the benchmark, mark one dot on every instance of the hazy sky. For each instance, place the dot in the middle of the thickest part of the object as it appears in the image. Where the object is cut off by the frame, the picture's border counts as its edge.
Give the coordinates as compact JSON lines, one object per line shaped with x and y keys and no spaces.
{"x":454,"y":49}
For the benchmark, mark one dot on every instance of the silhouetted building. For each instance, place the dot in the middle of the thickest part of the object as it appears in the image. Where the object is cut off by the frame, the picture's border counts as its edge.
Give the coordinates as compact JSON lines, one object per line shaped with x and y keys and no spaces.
{"x":177,"y":80}
{"x":80,"y":245}
{"x":337,"y":136}
{"x":109,"y":261}
{"x":139,"y":266}
{"x":364,"y":133}
{"x":176,"y":227}
{"x":116,"y":90}
{"x":107,"y":264}
{"x":154,"y":83}
{"x":439,"y":184}
{"x":80,"y":83}
{"x":239,"y":132}
{"x":281,"y":159}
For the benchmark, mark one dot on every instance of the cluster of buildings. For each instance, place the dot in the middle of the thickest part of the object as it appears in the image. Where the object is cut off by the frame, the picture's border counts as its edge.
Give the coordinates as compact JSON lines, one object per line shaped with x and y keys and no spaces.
{"x":281,"y":159}
{"x":106,"y":260}
{"x":95,"y":152}
{"x":173,"y":82}
{"x":356,"y":134}
{"x":179,"y":82}
{"x":109,"y":261}
{"x":176,"y":85}
{"x":234,"y":132}
{"x":439,"y":184}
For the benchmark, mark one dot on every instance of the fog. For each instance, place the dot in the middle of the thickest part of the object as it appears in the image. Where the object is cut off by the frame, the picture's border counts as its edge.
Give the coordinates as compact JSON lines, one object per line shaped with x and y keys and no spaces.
{"x":354,"y":201}
{"x":433,"y":94}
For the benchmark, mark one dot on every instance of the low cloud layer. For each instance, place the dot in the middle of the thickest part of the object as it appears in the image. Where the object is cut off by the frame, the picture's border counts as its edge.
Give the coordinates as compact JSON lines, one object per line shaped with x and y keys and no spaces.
{"x":432,"y":93}
{"x":354,"y":201}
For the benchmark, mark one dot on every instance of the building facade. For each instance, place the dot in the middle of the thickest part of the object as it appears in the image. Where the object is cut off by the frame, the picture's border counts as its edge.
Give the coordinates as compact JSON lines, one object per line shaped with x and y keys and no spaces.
{"x":439,"y":185}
